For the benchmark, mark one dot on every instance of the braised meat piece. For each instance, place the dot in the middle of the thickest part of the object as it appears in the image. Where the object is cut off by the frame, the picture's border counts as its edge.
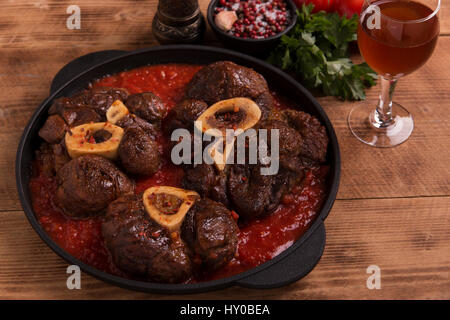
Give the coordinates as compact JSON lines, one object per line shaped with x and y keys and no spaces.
{"x":207,"y":181}
{"x":289,"y":139}
{"x":199,"y":178}
{"x":218,"y":190}
{"x":86,"y":185}
{"x":73,"y":111}
{"x":61,"y":103}
{"x":60,"y":156}
{"x":138,"y":153}
{"x":225,"y":80}
{"x":88,"y":105}
{"x":266,"y":103}
{"x":184,"y":114}
{"x":140,"y":246}
{"x":133,"y":121}
{"x":76,"y":116}
{"x":314,"y":135}
{"x":253,"y":194}
{"x":290,"y":142}
{"x":44,"y":157}
{"x":53,"y":130}
{"x":52,"y":157}
{"x":147,"y":106}
{"x":101,"y":98}
{"x":211,"y":232}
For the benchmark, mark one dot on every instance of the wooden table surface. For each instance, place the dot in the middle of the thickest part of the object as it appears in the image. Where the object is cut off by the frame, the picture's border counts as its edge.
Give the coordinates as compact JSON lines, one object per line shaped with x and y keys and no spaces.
{"x":393,"y":205}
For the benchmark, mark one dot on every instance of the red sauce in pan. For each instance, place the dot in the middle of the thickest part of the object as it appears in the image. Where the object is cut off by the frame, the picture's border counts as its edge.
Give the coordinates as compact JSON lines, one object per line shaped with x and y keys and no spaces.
{"x":259,"y":241}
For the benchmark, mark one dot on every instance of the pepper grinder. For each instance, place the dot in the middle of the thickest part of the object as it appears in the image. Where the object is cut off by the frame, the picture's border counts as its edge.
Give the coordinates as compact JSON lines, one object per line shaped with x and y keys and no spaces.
{"x":178,"y":21}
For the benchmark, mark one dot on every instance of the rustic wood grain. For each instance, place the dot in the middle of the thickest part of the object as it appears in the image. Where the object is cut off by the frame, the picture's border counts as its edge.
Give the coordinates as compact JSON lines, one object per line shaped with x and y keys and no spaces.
{"x":444,"y":16}
{"x":105,"y":24}
{"x":408,"y":239}
{"x":393,"y":204}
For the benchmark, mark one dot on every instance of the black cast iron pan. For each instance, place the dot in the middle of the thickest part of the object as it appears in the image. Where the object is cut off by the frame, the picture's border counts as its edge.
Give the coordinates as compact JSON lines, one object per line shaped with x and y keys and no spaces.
{"x":291,"y":265}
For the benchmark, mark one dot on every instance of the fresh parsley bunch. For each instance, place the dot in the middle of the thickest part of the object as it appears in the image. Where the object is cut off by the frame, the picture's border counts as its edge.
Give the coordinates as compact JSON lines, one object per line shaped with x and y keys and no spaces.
{"x":317,"y":51}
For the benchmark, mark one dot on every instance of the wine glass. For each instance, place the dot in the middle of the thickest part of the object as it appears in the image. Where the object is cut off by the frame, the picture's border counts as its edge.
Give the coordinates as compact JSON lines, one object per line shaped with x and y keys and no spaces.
{"x":395,"y":37}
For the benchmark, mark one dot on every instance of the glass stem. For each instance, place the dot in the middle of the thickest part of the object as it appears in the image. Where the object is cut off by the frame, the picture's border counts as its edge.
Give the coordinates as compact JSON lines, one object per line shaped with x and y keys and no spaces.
{"x":383,"y":114}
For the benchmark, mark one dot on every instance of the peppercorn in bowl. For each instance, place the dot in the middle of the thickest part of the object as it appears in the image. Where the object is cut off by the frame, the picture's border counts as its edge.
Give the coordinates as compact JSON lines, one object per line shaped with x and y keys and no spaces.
{"x":252,"y":26}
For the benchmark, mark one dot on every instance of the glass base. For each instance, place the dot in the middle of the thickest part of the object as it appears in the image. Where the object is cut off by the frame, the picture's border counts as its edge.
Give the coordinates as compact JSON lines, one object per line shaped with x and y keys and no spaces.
{"x":366,"y":127}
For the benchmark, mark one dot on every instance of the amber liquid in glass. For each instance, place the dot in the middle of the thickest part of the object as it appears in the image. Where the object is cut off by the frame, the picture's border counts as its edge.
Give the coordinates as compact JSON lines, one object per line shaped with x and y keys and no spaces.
{"x":398,"y":47}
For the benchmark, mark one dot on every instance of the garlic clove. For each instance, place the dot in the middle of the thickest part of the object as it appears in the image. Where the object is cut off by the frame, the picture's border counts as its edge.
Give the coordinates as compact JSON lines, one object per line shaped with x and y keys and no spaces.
{"x":225,"y":19}
{"x":168,"y":206}
{"x":80,"y":140}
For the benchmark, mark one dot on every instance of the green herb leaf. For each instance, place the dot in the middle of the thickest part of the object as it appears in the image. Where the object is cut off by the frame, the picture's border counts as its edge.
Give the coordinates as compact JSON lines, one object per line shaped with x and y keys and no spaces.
{"x":317,"y":51}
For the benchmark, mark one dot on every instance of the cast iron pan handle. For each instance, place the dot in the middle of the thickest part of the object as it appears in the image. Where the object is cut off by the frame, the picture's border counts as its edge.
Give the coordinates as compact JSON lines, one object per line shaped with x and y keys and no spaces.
{"x":73,"y":68}
{"x":293,"y":267}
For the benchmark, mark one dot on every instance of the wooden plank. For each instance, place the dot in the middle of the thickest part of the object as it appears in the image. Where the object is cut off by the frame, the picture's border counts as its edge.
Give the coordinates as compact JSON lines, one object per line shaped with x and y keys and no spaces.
{"x":444,"y":17}
{"x":417,"y":168}
{"x":112,"y":24}
{"x":407,"y":238}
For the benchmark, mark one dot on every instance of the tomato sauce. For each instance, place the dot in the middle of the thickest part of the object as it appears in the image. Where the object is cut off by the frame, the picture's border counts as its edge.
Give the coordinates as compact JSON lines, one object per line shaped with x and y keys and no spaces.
{"x":259,"y":240}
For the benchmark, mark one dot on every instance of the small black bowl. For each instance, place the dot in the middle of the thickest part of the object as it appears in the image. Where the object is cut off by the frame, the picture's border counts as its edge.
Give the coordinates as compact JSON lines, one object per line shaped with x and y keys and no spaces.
{"x":256,"y":47}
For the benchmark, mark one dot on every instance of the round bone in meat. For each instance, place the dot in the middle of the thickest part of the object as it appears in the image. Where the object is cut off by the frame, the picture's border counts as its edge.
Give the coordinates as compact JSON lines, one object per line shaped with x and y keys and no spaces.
{"x":80,"y":140}
{"x":168,"y":206}
{"x":116,"y":112}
